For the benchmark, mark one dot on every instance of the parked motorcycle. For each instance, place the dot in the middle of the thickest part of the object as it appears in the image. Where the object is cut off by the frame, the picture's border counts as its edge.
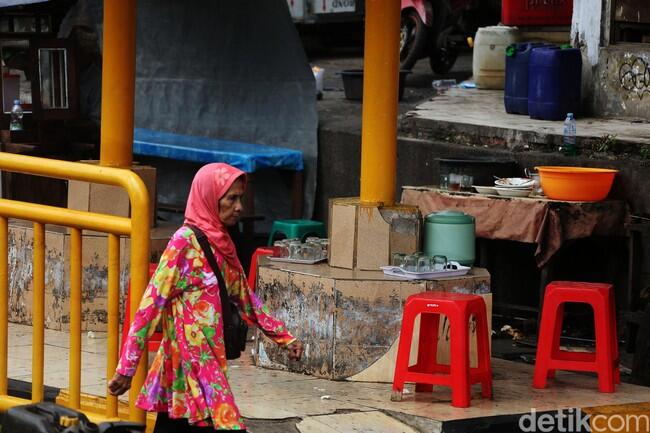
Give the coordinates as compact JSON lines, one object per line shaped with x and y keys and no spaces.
{"x":434,"y":29}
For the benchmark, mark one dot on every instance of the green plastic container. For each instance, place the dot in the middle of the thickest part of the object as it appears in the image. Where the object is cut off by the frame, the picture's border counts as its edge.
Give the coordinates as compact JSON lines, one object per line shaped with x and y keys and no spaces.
{"x":452,"y":234}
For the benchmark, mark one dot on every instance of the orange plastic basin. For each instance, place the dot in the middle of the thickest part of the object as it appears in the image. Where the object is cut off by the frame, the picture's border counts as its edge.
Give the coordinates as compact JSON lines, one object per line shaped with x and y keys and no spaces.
{"x":576,"y":183}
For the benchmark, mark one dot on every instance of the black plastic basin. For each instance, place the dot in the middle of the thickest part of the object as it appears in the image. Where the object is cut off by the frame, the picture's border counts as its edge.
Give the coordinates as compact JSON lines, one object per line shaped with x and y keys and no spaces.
{"x":353,"y":83}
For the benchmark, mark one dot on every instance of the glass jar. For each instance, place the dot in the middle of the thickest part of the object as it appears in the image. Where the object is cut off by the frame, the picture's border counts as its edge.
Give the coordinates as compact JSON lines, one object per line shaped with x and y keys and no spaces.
{"x":397,"y":259}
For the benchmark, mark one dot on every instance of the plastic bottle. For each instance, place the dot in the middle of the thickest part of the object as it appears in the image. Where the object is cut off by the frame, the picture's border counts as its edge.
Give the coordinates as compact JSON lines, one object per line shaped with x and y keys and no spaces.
{"x":568,"y":146}
{"x":16,"y":123}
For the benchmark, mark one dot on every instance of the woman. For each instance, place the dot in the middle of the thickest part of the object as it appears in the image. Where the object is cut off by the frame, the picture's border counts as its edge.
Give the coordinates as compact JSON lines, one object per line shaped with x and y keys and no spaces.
{"x":187,"y":383}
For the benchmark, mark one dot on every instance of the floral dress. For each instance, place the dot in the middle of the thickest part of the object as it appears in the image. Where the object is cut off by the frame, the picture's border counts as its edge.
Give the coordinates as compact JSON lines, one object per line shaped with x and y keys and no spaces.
{"x":188,"y":377}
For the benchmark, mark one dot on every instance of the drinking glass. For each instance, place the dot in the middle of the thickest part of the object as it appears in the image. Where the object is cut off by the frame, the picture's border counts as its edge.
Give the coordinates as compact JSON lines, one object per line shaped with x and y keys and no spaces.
{"x":455,"y":181}
{"x":424,"y":264}
{"x":410,"y":263}
{"x":325,"y":246}
{"x":281,"y":249}
{"x":438,"y":263}
{"x":444,"y":181}
{"x":311,"y":251}
{"x":397,"y":259}
{"x":294,"y":250}
{"x":466,"y":182}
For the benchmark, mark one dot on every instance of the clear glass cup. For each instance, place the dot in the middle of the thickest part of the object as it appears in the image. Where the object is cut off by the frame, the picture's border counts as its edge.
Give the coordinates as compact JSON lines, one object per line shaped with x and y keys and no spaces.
{"x":294,"y":250}
{"x":314,"y":242}
{"x":410,"y":263}
{"x":281,"y":248}
{"x":397,"y":259}
{"x":438,"y":263}
{"x":466,"y":183}
{"x":325,"y":246}
{"x":444,"y":182}
{"x":424,"y":264}
{"x":455,"y":181}
{"x":310,"y":251}
{"x":312,"y":239}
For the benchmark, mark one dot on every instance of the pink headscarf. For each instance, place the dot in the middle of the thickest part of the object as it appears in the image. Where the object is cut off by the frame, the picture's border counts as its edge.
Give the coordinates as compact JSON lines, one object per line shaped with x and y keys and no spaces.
{"x":210,"y":184}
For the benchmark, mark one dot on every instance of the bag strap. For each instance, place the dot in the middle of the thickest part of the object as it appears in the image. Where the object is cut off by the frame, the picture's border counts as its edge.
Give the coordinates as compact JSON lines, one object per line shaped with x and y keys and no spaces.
{"x":226,"y":308}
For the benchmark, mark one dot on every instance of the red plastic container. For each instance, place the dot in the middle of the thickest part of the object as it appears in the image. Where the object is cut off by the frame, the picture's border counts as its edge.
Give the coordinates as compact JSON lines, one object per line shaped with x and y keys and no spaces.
{"x":536,"y":12}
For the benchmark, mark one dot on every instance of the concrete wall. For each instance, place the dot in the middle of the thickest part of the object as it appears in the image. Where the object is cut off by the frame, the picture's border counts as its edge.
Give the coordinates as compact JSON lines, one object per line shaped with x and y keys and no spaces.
{"x":622,"y":81}
{"x":615,"y":78}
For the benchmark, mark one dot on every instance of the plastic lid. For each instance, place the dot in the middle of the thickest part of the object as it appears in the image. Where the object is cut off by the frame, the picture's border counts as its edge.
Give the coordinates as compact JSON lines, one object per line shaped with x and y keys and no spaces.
{"x":16,"y":101}
{"x":569,"y":115}
{"x":450,"y":217}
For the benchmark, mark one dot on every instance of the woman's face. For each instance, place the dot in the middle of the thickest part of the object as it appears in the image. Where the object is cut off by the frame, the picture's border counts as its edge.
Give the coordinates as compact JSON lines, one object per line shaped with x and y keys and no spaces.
{"x":230,"y":205}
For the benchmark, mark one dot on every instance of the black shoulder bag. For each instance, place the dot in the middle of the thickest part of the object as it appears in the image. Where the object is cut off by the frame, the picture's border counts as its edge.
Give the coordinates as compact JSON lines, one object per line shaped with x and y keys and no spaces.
{"x":234,"y":327}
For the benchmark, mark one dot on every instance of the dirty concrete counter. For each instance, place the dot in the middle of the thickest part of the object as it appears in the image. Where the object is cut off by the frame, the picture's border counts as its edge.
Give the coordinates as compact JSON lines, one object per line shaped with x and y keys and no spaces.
{"x":57,"y":275}
{"x":348,"y":320}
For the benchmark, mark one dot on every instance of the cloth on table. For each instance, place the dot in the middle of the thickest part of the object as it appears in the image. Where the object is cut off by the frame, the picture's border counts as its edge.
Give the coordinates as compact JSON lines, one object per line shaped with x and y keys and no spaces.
{"x":547,"y":223}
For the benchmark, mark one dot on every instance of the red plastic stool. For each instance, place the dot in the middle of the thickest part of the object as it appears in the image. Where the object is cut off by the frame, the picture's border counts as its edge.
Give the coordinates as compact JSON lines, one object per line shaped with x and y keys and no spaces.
{"x":252,"y":273}
{"x":549,"y":356}
{"x":427,"y":371}
{"x":156,"y":337}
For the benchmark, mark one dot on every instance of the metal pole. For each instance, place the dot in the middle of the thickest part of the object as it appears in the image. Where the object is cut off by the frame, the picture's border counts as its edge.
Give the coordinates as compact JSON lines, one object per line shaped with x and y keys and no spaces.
{"x":113,"y":316}
{"x":4,"y":303}
{"x":118,"y":83}
{"x":75,"y":318}
{"x":38,"y":313}
{"x":380,"y":87}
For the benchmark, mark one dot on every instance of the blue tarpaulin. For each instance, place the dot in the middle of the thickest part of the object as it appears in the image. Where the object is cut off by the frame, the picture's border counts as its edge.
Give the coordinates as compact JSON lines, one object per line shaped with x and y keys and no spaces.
{"x":248,"y":157}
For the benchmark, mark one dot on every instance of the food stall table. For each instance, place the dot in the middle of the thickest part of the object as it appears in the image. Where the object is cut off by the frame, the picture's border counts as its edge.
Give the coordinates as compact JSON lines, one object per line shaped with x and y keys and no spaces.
{"x":548,"y":224}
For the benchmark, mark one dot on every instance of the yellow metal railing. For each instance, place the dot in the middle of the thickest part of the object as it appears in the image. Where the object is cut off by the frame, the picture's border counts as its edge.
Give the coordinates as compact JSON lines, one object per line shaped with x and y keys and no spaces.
{"x":137,"y":227}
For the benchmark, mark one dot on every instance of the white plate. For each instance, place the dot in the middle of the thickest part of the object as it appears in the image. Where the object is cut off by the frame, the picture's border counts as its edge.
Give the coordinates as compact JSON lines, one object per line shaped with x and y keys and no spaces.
{"x":514,"y":182}
{"x":396,"y":271}
{"x":302,"y":262}
{"x":485,"y":189}
{"x":514,"y":192}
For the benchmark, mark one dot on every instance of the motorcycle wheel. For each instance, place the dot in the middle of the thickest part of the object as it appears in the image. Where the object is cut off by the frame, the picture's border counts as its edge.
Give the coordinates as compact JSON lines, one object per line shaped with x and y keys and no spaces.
{"x":443,"y":59}
{"x":413,"y":36}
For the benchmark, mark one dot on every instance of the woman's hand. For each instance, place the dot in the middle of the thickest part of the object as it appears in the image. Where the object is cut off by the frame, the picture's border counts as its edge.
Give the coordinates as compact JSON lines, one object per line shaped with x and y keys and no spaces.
{"x":119,"y":384}
{"x":295,"y":350}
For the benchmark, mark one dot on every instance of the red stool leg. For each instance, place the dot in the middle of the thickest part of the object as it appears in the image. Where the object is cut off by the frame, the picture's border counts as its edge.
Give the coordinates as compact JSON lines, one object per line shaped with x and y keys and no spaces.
{"x":459,"y":357}
{"x":403,"y":353}
{"x":545,"y":341}
{"x":614,"y":332}
{"x":252,"y":272}
{"x":557,"y":334}
{"x":483,"y":351}
{"x":604,"y":347}
{"x":427,"y":348}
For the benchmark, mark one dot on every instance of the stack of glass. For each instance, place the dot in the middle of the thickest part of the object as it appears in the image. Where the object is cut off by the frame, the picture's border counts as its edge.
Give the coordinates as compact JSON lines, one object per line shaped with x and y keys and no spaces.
{"x":420,"y":262}
{"x":312,"y":249}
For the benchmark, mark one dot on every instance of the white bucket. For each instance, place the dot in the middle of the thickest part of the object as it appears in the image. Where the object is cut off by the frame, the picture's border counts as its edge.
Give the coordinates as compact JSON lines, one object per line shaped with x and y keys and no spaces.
{"x":489,"y":62}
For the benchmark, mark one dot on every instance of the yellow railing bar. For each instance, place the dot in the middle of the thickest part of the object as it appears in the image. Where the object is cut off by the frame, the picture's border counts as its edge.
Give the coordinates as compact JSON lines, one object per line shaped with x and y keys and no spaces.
{"x":75,"y":318}
{"x":65,"y":217}
{"x":113,"y":316}
{"x":38,"y":313}
{"x":4,"y":302}
{"x":137,"y":227}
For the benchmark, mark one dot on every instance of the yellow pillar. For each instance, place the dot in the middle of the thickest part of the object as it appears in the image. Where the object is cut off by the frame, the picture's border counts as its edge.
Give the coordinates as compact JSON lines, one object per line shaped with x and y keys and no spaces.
{"x":380,"y":85}
{"x":118,"y":83}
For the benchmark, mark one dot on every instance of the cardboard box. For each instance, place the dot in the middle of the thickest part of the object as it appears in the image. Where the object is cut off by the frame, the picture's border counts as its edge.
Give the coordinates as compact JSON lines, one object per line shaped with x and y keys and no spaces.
{"x":365,"y":237}
{"x":108,"y":199}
